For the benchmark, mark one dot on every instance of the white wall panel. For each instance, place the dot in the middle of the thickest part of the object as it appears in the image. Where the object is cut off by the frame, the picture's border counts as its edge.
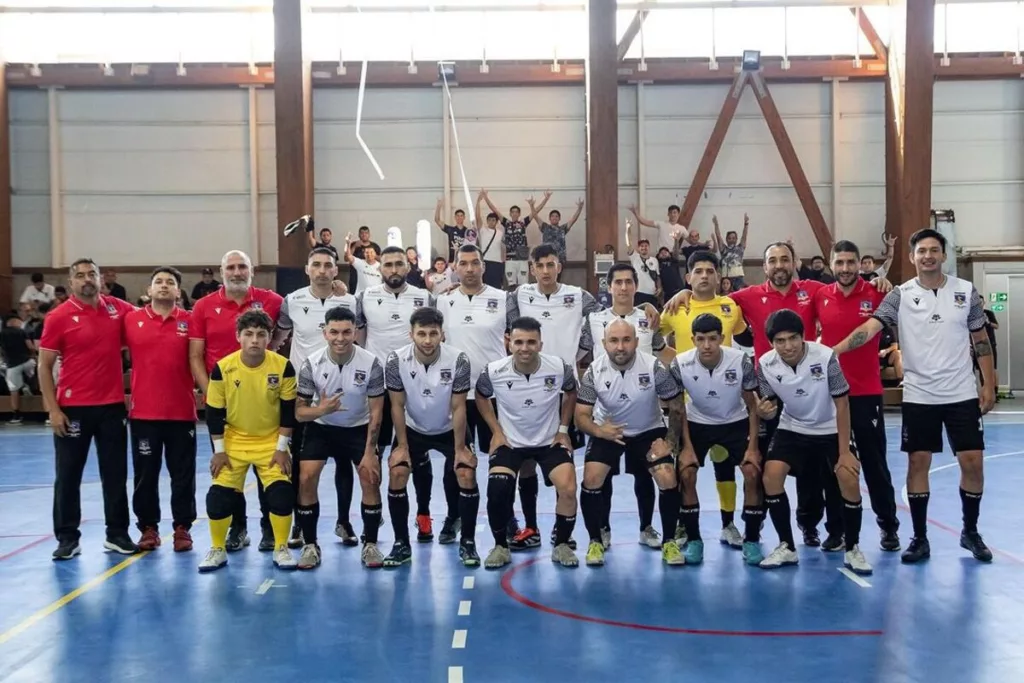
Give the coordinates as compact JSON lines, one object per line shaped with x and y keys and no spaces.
{"x":30,"y":177}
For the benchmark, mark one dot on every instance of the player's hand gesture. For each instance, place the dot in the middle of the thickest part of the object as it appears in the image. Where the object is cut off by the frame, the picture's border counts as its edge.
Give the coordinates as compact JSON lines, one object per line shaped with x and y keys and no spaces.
{"x":579,"y":203}
{"x":610,"y":432}
{"x":987,"y":398}
{"x":497,"y":441}
{"x":369,"y":467}
{"x":283,"y":462}
{"x":330,"y":405}
{"x":766,"y":409}
{"x":752,"y":458}
{"x":848,"y":461}
{"x":218,"y":462}
{"x":889,"y":240}
{"x":465,"y":456}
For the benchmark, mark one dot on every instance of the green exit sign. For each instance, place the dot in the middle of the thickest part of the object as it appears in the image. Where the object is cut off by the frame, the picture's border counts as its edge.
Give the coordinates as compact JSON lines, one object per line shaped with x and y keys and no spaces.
{"x":999,"y":308}
{"x":998,"y":296}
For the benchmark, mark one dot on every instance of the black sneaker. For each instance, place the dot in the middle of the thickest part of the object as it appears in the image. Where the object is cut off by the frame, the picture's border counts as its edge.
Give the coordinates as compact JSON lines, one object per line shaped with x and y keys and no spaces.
{"x":833,"y":543}
{"x":449,"y":531}
{"x":890,"y":541}
{"x":121,"y":543}
{"x":400,"y":554}
{"x":919,"y":549}
{"x":266,"y":541}
{"x":344,"y":531}
{"x":468,"y":554}
{"x":237,"y":539}
{"x":811,"y":538}
{"x":571,"y":541}
{"x":971,"y":540}
{"x":66,"y":550}
{"x":296,"y":538}
{"x":512,"y":529}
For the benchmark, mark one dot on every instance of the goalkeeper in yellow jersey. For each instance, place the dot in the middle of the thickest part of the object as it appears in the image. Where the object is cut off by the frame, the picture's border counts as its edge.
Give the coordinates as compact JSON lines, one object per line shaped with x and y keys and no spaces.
{"x":250,"y":411}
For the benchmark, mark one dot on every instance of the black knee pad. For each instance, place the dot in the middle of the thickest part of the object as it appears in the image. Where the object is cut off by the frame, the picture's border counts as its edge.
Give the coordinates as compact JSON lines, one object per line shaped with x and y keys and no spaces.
{"x":664,"y":460}
{"x":221,"y":502}
{"x":724,"y":471}
{"x":280,"y":499}
{"x":501,"y":486}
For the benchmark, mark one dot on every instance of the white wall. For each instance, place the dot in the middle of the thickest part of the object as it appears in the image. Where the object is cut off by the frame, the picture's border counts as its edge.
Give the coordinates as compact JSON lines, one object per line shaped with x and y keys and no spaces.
{"x":151,"y":176}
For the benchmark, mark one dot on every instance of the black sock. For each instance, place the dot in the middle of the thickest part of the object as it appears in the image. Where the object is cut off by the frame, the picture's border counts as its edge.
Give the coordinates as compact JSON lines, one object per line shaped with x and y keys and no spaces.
{"x":423,"y":482}
{"x":306,"y":517}
{"x":690,"y":517}
{"x":853,"y":513}
{"x":919,"y":513}
{"x":398,"y":506}
{"x":592,"y":504}
{"x":753,"y":518}
{"x":563,"y":528}
{"x":371,"y":520}
{"x":343,"y":483}
{"x":668,"y":505}
{"x":469,"y":506}
{"x":971,"y":505}
{"x":451,"y":490}
{"x":643,"y":489}
{"x":528,"y":489}
{"x":778,"y":508}
{"x":500,"y":488}
{"x":606,"y":490}
{"x":728,"y":517}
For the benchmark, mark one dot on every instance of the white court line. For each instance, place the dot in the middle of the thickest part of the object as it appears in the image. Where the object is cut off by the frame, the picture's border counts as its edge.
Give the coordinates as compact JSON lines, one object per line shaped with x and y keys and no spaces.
{"x":264,"y":587}
{"x":454,"y":674}
{"x":468,"y":582}
{"x":459,"y":639}
{"x":464,"y":607}
{"x":853,"y":577}
{"x":955,"y":463}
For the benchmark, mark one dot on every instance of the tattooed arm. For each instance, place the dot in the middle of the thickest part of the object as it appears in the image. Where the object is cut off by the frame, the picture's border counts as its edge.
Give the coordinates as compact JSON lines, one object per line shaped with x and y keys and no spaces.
{"x":676,"y":412}
{"x":976,"y":321}
{"x":887,"y":313}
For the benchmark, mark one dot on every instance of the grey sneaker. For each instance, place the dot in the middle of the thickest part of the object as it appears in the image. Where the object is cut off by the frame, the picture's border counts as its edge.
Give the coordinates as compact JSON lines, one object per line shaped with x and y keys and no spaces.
{"x":650,"y":538}
{"x":498,"y":557}
{"x":680,"y":536}
{"x":731,"y":536}
{"x":309,"y":558}
{"x":606,"y":538}
{"x":372,"y":557}
{"x":563,"y":555}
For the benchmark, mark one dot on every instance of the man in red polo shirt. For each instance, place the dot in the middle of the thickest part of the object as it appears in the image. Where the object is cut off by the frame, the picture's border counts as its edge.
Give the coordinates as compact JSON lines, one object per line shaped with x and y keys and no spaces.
{"x":211,"y":338}
{"x":87,"y":405}
{"x":841,"y":307}
{"x":162,"y":410}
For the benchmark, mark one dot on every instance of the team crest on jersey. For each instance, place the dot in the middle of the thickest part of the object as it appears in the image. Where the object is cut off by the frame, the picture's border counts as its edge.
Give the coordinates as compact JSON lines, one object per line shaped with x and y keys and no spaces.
{"x":726,"y":309}
{"x":182,"y":328}
{"x":959,"y":299}
{"x":623,"y":397}
{"x":865,"y":309}
{"x":111,"y":309}
{"x":802,"y":296}
{"x":417,"y":302}
{"x":446,"y":376}
{"x":817,"y":372}
{"x":492,"y":305}
{"x":730,"y":377}
{"x":644,"y":380}
{"x":569,"y":300}
{"x":256,"y":306}
{"x":642,"y":324}
{"x":273,"y":381}
{"x":549,"y":383}
{"x":359,"y":377}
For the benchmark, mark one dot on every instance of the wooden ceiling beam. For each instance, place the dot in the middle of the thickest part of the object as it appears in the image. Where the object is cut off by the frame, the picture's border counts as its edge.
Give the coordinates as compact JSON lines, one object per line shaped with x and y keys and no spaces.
{"x":868,"y":29}
{"x":632,"y":31}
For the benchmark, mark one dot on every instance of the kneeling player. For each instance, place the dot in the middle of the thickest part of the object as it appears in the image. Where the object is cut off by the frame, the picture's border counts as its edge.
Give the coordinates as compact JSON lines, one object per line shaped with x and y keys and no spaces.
{"x":341,"y":391}
{"x":528,"y":387}
{"x":721,"y":410}
{"x":627,"y":384}
{"x":250,"y":412}
{"x":815,"y":423}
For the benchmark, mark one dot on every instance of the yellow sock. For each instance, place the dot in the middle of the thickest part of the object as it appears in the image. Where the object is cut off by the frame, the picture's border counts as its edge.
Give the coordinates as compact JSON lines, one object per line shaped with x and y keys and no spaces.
{"x":282,"y":527}
{"x":219,"y":531}
{"x":726,"y":495}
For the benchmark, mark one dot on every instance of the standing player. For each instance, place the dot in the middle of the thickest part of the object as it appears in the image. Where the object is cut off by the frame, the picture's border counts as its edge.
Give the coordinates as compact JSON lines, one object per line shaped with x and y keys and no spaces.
{"x":840,"y":307}
{"x":721,"y":410}
{"x":341,"y":396}
{"x":86,"y":405}
{"x":162,"y":410}
{"x":212,"y":336}
{"x":428,"y":382}
{"x":938,"y":317}
{"x":536,"y":394}
{"x":627,"y":385}
{"x":814,"y":424}
{"x":250,"y":410}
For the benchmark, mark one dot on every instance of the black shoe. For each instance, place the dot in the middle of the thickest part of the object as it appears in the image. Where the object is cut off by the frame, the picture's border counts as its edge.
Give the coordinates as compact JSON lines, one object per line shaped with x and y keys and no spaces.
{"x":811,"y":538}
{"x":296,"y":539}
{"x":66,"y":550}
{"x":449,"y":531}
{"x":468,"y":554}
{"x":266,"y":541}
{"x":833,"y":543}
{"x":344,"y":531}
{"x":512,"y":529}
{"x":121,"y":543}
{"x":237,"y":539}
{"x":919,"y":549}
{"x":971,"y":540}
{"x":890,"y":541}
{"x":400,"y":554}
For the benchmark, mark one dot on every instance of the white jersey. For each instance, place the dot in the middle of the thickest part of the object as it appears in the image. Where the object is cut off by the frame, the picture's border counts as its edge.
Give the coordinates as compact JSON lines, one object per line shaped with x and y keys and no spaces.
{"x":935,"y":337}
{"x":529,"y":406}
{"x":560,"y":316}
{"x":592,"y":336}
{"x":806,"y":391}
{"x":367,"y":274}
{"x":714,"y":396}
{"x":647,"y":270}
{"x":476,"y":324}
{"x":385,"y":315}
{"x":303,"y":313}
{"x":359,"y":379}
{"x":630,"y":397}
{"x":428,"y":389}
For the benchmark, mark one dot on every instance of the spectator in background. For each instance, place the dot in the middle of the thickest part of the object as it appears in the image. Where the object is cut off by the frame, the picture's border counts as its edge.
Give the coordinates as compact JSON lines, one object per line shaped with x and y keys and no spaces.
{"x":553,"y":233}
{"x":366,"y":268}
{"x":111,"y":286}
{"x":31,"y":319}
{"x":358,"y":250}
{"x":731,"y":252}
{"x":17,"y":350}
{"x":666,"y":231}
{"x":725,"y":287}
{"x":491,"y":242}
{"x":457,"y":234}
{"x":817,"y":271}
{"x":326,"y":236}
{"x":38,"y":291}
{"x":668,"y":273}
{"x":415,"y":276}
{"x":869,"y":268}
{"x":514,"y":242}
{"x":208,"y":285}
{"x":439,"y":280}
{"x":646,"y":267}
{"x":60,"y":295}
{"x":691,"y":244}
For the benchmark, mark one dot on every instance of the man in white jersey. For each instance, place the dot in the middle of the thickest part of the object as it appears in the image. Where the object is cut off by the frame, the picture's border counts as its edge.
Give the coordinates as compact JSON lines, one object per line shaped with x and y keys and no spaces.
{"x":646,"y":267}
{"x":815,"y":423}
{"x":535,"y":393}
{"x":938,"y":317}
{"x":341,"y":395}
{"x":302,"y":318}
{"x":629,"y":387}
{"x":428,"y":382}
{"x":382,"y":313}
{"x":721,"y":410}
{"x":368,"y":268}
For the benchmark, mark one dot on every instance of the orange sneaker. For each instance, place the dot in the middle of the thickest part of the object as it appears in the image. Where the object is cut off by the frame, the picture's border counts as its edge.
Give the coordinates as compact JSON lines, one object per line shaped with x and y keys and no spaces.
{"x":424,"y":529}
{"x":182,"y":540}
{"x":150,"y":539}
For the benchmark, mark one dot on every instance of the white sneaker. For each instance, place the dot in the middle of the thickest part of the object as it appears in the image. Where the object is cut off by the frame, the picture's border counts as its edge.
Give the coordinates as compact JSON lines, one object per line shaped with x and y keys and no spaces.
{"x":309,"y":558}
{"x":498,"y":557}
{"x":372,"y":558}
{"x":214,"y":560}
{"x":283,"y":558}
{"x":563,"y":555}
{"x":650,"y":538}
{"x":856,"y":563}
{"x":782,"y":556}
{"x":606,"y":538}
{"x":731,"y":536}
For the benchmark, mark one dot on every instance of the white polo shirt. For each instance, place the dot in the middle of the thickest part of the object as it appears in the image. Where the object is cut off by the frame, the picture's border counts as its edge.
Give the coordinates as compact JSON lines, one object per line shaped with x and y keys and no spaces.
{"x":806,"y":391}
{"x":303,"y":313}
{"x":646,"y":273}
{"x":367,"y":275}
{"x":385,"y":315}
{"x":560,"y":316}
{"x":628,"y":397}
{"x":428,"y":388}
{"x":592,"y":335}
{"x":476,"y":324}
{"x":714,"y":396}
{"x":358,"y":380}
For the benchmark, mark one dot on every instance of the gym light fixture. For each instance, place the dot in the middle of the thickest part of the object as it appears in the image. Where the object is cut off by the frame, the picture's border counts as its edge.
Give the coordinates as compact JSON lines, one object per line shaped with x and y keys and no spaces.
{"x":751,"y":60}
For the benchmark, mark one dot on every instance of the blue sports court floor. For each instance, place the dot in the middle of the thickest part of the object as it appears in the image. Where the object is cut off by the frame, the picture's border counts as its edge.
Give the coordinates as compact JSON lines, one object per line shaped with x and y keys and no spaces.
{"x":105,"y":618}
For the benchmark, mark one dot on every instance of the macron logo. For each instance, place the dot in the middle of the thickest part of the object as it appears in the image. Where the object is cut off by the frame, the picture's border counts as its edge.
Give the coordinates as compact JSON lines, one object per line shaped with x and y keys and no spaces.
{"x":75,"y":318}
{"x":140,"y":323}
{"x":764,"y":299}
{"x":217,"y":311}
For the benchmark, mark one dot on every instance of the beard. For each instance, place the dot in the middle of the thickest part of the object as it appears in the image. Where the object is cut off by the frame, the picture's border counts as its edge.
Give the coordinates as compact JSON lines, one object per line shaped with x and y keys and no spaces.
{"x":781,"y":277}
{"x":395,"y":281}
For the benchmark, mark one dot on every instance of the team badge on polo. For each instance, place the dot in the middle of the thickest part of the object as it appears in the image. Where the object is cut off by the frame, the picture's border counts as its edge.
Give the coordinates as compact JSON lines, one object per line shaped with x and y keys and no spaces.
{"x":959,"y":299}
{"x":817,"y":372}
{"x":730,"y":377}
{"x":359,"y":376}
{"x":273,"y":381}
{"x":549,"y":383}
{"x":802,"y":296}
{"x":446,"y":376}
{"x":182,"y":328}
{"x":726,"y":309}
{"x":865,"y":309}
{"x":256,"y":306}
{"x":569,"y":300}
{"x":644,"y":380}
{"x":492,"y":305}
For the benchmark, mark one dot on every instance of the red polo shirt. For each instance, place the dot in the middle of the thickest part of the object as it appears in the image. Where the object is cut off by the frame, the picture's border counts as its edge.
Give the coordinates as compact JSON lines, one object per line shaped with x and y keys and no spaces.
{"x":761,"y":301}
{"x":88,"y":340}
{"x":841,"y":314}
{"x":213,"y":320}
{"x":161,"y":379}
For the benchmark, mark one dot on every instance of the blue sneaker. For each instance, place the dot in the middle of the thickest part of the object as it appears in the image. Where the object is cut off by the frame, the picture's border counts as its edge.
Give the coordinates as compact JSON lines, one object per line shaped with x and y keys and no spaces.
{"x":752,"y":553}
{"x":694,"y":552}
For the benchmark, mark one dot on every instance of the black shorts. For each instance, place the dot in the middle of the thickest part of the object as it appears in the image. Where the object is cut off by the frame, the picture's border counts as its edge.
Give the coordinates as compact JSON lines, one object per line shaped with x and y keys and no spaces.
{"x":548,"y":457}
{"x":636,"y":449}
{"x":733,"y":437}
{"x":322,"y":442}
{"x":420,"y":445}
{"x":923,"y":423}
{"x":795,"y":449}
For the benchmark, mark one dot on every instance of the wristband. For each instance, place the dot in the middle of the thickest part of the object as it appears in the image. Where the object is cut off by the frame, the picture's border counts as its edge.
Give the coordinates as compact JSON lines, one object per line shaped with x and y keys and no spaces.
{"x":282,"y":442}
{"x":218,"y":446}
{"x":563,"y":429}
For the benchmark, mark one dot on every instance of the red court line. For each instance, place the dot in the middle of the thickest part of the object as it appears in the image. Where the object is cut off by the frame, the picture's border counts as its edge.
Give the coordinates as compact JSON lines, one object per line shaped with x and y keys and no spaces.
{"x":506,"y":585}
{"x":27,"y":546}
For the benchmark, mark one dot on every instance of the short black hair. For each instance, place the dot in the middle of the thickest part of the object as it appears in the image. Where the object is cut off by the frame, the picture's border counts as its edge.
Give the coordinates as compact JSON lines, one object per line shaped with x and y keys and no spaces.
{"x":392,"y":250}
{"x":37,"y":277}
{"x":817,"y":257}
{"x":44,"y":307}
{"x":170,"y":270}
{"x":327,"y":230}
{"x":643,"y":240}
{"x":928,"y":233}
{"x":257,"y":318}
{"x":553,"y":211}
{"x":364,"y":227}
{"x":622,"y":268}
{"x":781,"y":321}
{"x":459,"y":211}
{"x":424,"y":316}
{"x":515,"y":207}
{"x":82,"y":262}
{"x":787,"y":245}
{"x":468,"y":249}
{"x":492,"y":215}
{"x":525,"y":323}
{"x":60,"y":289}
{"x":703,"y":256}
{"x":672,"y":207}
{"x":845,"y":245}
{"x":339,"y":314}
{"x":706,"y":323}
{"x":322,"y":251}
{"x":543,"y":251}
